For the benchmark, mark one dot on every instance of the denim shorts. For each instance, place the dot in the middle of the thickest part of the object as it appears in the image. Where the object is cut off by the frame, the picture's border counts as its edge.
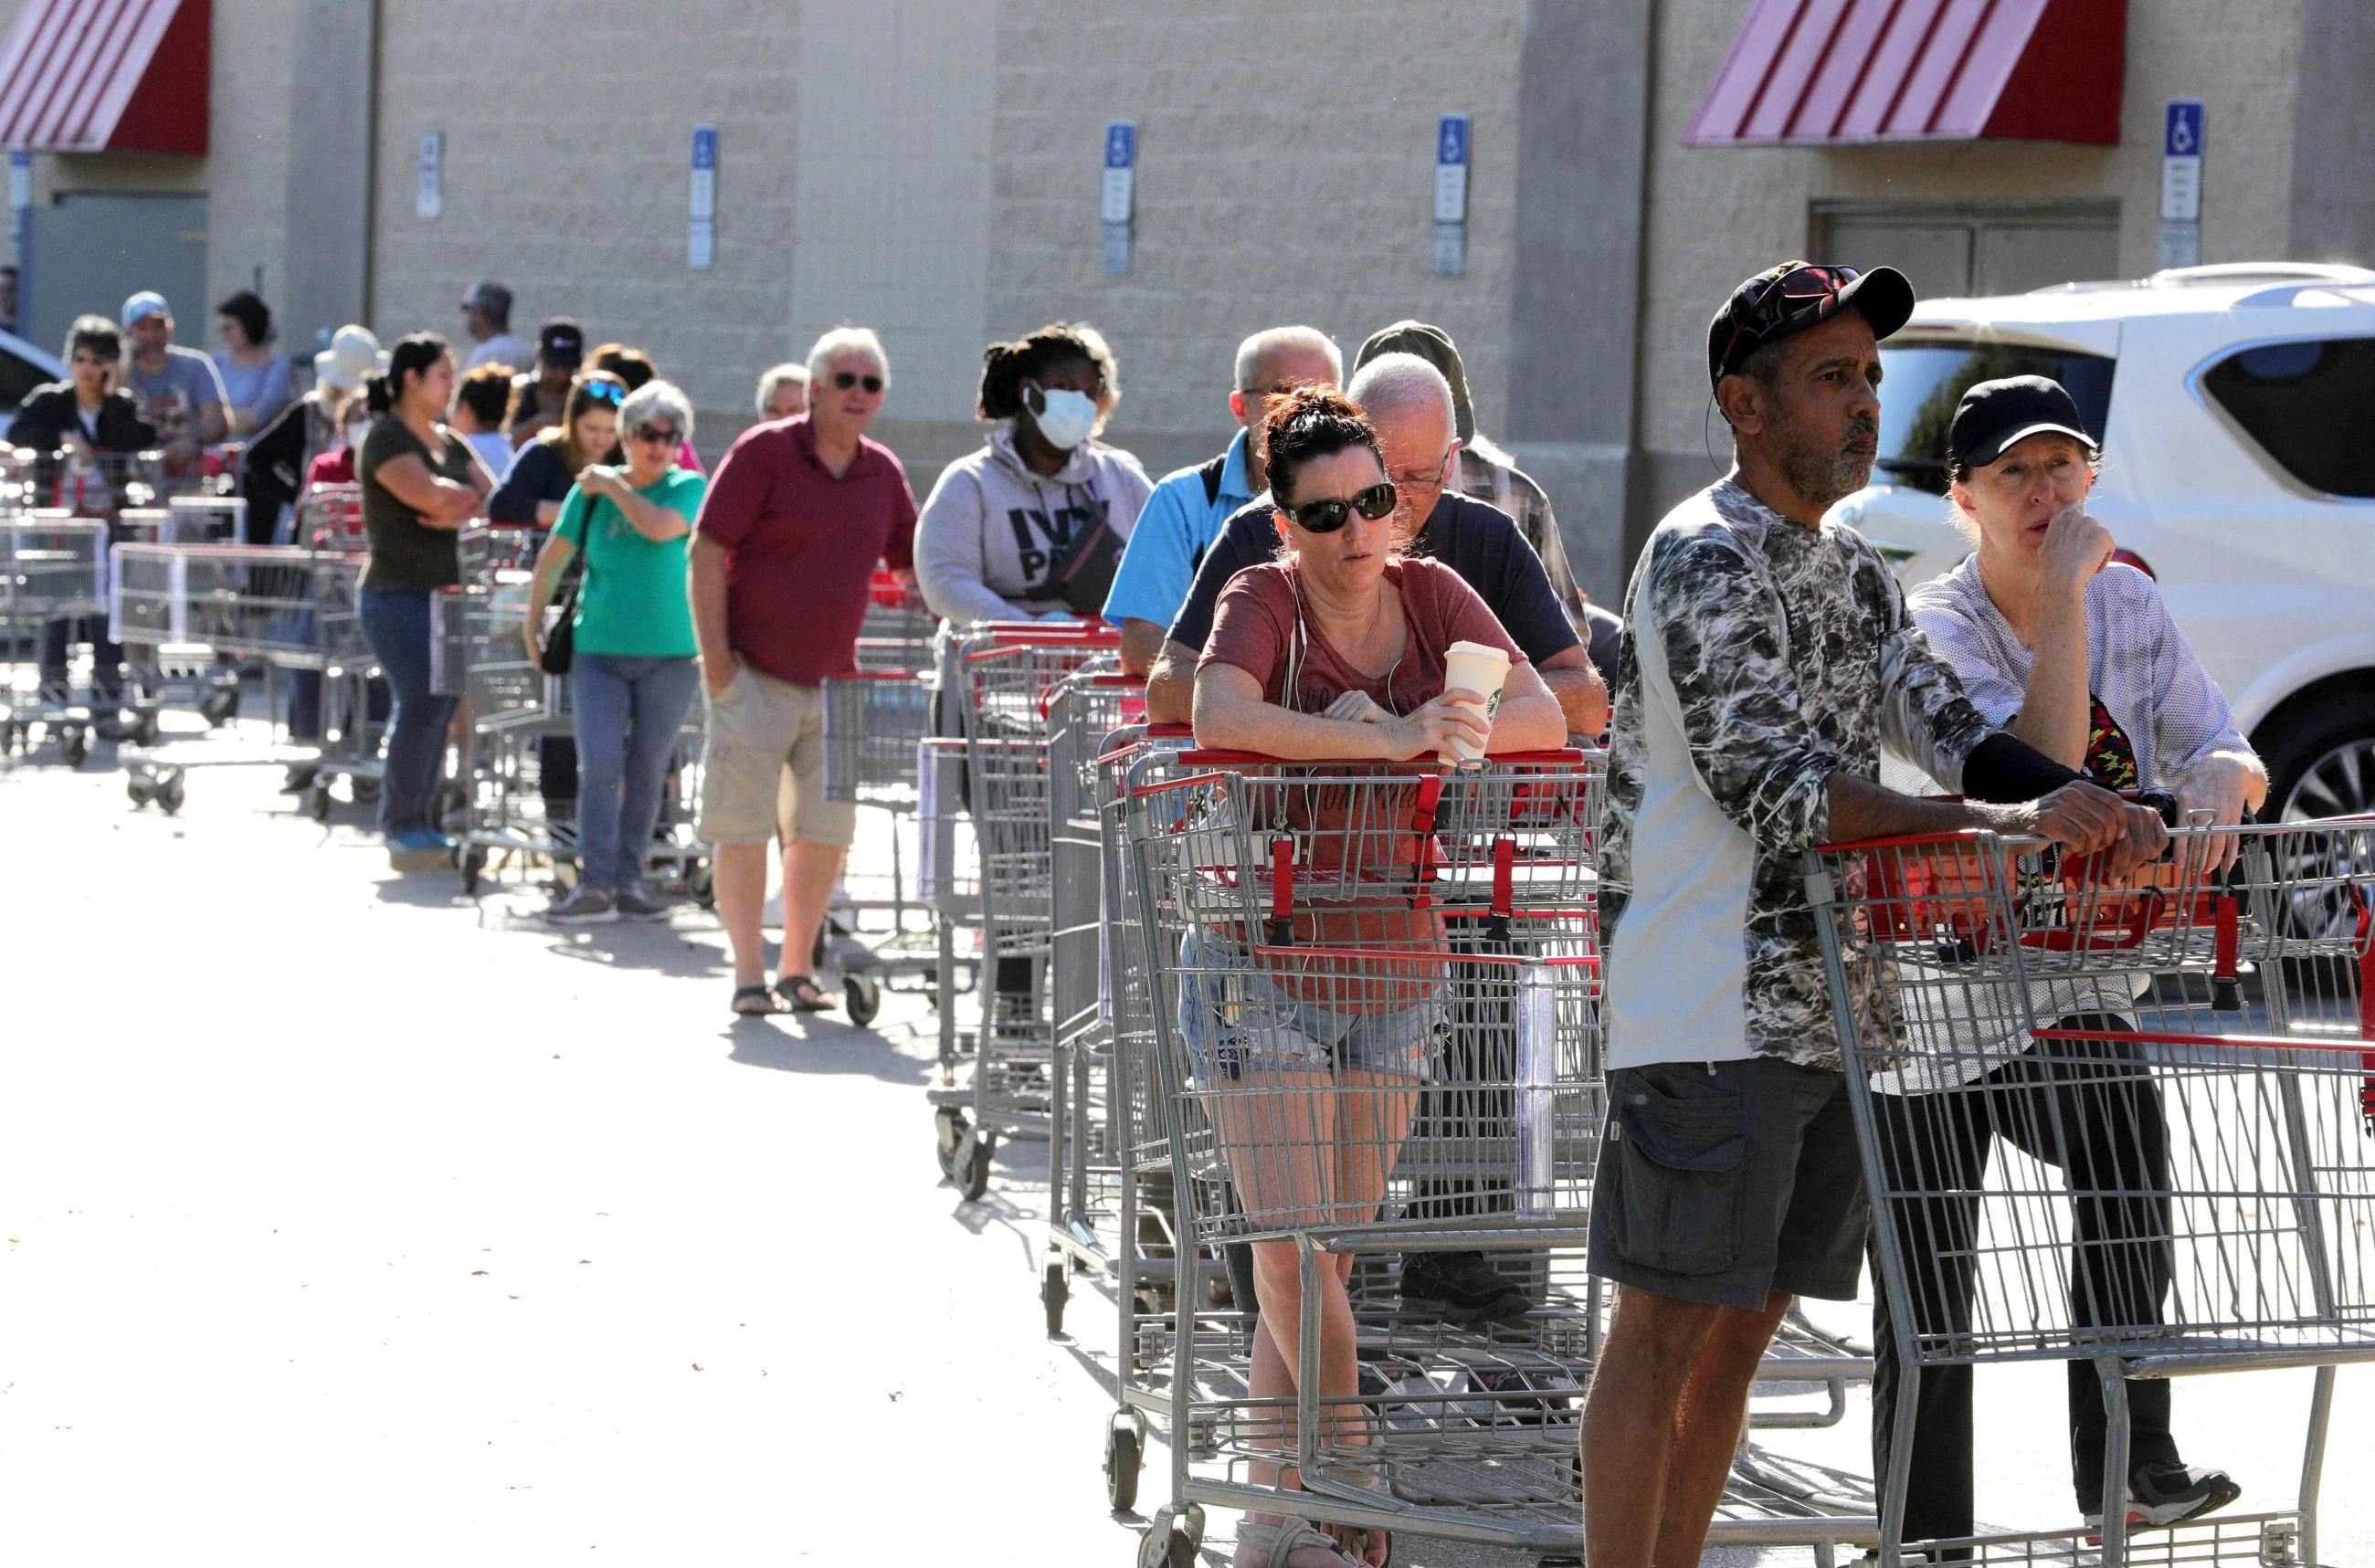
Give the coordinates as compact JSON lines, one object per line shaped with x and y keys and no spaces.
{"x":1237,"y":1020}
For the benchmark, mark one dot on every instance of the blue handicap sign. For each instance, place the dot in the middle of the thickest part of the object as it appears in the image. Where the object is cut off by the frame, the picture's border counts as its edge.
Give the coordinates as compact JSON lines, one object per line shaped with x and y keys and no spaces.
{"x":1121,"y":144}
{"x":1451,"y":140}
{"x":704,"y":147}
{"x":2182,"y":136}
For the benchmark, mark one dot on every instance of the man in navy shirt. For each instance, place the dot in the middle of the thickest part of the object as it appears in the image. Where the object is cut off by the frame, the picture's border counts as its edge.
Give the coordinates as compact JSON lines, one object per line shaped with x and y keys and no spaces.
{"x":1410,"y":403}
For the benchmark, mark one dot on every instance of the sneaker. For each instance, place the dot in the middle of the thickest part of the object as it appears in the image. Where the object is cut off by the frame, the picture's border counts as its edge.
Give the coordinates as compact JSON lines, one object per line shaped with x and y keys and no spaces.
{"x":633,"y":903}
{"x":419,"y":850}
{"x":2172,"y":1491}
{"x":298,"y":780}
{"x":586,"y":906}
{"x":1459,"y":1287}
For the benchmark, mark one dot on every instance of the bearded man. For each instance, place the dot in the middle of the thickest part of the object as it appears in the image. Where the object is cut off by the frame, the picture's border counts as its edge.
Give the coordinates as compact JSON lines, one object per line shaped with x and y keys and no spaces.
{"x":1767,"y":658}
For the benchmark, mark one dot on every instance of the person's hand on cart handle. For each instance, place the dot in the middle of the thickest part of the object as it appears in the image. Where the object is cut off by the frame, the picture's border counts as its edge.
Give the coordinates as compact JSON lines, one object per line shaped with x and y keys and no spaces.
{"x":2088,"y":819}
{"x":1427,"y":731}
{"x":2225,"y":787}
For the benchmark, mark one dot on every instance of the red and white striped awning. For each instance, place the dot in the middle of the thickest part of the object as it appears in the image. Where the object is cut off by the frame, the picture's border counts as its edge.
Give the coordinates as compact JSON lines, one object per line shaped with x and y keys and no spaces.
{"x":1829,"y":72}
{"x":106,"y":75}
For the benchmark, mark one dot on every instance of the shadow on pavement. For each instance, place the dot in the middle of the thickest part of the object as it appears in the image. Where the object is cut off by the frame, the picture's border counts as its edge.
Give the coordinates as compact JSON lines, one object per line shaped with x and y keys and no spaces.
{"x":815,"y":1042}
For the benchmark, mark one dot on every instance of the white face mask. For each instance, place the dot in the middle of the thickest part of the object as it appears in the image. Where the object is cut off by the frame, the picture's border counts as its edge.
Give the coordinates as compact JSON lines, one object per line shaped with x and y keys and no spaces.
{"x":1066,"y":418}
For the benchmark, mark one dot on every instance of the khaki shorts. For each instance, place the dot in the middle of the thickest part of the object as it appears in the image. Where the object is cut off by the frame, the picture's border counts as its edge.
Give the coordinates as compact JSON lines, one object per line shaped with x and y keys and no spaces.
{"x":765,"y":736}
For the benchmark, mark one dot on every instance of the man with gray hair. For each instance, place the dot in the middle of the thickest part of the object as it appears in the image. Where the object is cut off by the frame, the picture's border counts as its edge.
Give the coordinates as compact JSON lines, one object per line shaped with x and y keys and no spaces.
{"x":782,"y":565}
{"x":1185,"y":513}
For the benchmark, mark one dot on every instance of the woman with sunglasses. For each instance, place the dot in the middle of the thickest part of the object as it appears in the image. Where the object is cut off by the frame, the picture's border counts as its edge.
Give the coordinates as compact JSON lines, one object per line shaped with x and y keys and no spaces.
{"x":634,"y":670}
{"x":1335,"y":650}
{"x":540,"y":475}
{"x":1031,"y":525}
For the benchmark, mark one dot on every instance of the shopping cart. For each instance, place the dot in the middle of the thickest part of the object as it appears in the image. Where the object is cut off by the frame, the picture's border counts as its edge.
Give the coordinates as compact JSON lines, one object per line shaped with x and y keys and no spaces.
{"x":1087,"y":714}
{"x":1000,"y":680}
{"x":183,"y":610}
{"x":875,"y":716}
{"x":2179,"y":1072}
{"x":52,"y":568}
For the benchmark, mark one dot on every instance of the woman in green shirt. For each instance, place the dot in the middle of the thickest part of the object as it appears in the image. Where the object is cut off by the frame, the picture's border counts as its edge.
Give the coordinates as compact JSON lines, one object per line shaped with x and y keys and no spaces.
{"x":632,"y":672}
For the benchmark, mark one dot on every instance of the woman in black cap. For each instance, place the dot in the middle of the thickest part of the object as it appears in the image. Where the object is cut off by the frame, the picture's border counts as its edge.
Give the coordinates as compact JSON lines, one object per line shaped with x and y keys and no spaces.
{"x":2072,"y":651}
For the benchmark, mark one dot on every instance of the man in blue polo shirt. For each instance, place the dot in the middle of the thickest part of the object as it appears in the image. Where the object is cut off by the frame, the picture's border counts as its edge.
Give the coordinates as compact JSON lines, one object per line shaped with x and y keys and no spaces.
{"x":1184,"y":515}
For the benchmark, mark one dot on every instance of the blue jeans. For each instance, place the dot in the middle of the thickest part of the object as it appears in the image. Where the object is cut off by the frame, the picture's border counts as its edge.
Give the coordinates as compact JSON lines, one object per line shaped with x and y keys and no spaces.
{"x":395,"y":625}
{"x":629,"y":713}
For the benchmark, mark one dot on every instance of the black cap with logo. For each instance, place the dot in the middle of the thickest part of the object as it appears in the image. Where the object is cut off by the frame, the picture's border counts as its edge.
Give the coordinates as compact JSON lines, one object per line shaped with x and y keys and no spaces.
{"x":562,"y":344}
{"x":1795,"y":296}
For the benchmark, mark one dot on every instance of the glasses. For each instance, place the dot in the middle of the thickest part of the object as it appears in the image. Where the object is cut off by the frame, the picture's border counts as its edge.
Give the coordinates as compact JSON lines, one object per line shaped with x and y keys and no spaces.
{"x":610,"y":392}
{"x":1785,"y":297}
{"x":1327,"y":516}
{"x":845,"y":380}
{"x":664,"y":434}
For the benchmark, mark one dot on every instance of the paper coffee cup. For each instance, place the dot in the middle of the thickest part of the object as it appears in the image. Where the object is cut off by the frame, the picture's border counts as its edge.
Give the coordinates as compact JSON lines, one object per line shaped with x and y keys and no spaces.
{"x":1475,"y":667}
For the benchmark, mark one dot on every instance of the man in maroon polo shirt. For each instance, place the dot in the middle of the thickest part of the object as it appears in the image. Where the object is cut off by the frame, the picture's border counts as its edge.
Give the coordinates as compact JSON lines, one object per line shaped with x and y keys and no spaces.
{"x":783,"y":559}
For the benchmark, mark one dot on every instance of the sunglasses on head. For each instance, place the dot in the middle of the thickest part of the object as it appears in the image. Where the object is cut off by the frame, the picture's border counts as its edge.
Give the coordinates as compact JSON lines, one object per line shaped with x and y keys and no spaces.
{"x":845,"y":380}
{"x":663,"y":433}
{"x":1327,"y":516}
{"x":1782,"y":298}
{"x":610,"y":392}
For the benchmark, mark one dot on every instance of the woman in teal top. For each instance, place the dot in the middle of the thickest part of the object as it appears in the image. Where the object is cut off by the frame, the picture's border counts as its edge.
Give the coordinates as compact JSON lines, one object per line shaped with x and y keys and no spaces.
{"x":633,"y":671}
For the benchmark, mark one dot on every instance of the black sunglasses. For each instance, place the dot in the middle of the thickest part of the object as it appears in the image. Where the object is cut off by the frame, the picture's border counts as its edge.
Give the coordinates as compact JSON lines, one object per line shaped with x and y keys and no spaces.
{"x":845,"y":380}
{"x":656,"y":432}
{"x":1782,"y":298}
{"x":1327,"y":516}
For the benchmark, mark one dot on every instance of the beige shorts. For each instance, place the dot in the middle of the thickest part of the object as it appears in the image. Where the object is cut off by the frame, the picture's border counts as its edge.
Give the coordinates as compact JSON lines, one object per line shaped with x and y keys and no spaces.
{"x":765,"y":749}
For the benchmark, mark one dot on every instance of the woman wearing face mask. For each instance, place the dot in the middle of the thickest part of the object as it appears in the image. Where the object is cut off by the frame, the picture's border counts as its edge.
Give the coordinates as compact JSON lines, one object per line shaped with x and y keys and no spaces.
{"x":1029,"y":526}
{"x":2076,"y":654}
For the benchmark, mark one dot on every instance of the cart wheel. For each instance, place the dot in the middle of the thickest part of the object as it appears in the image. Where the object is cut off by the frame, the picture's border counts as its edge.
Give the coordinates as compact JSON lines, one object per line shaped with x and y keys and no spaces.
{"x":971,"y":1172}
{"x":170,"y":791}
{"x":219,"y":706}
{"x":1171,"y":1541}
{"x":1054,"y":1289}
{"x":473,"y":864}
{"x":364,"y":789}
{"x":144,"y":729}
{"x":698,"y":887}
{"x":317,"y":801}
{"x":139,"y":789}
{"x":863,"y":996}
{"x":74,"y":744}
{"x":949,"y":1129}
{"x":1124,"y":1455}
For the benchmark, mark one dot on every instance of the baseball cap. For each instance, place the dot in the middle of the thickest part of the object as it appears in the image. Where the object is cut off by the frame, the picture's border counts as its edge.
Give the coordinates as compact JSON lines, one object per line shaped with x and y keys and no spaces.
{"x":1434,"y":345}
{"x":1996,"y":416}
{"x":1795,"y":296}
{"x":562,"y":342}
{"x":491,"y":297}
{"x":146,"y":303}
{"x":353,"y":357}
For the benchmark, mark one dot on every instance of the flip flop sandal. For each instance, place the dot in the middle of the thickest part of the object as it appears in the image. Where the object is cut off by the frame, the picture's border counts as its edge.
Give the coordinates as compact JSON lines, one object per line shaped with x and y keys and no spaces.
{"x":804,"y":994}
{"x":768,"y":1008}
{"x":1278,"y":1542}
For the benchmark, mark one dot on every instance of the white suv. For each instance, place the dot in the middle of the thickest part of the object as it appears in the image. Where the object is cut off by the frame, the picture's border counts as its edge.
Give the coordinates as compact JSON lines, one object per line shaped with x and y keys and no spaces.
{"x":2236,"y":406}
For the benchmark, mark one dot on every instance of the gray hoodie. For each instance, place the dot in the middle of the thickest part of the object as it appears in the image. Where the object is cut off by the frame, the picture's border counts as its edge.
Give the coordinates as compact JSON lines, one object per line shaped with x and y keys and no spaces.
{"x":992,"y":528}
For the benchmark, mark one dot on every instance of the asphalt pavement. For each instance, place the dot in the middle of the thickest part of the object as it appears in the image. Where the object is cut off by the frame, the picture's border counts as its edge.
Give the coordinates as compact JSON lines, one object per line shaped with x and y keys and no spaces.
{"x":351,"y":1221}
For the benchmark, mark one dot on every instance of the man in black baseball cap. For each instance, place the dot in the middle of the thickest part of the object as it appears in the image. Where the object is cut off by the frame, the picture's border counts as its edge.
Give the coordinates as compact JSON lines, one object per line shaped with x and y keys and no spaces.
{"x":1767,"y":658}
{"x":560,"y":350}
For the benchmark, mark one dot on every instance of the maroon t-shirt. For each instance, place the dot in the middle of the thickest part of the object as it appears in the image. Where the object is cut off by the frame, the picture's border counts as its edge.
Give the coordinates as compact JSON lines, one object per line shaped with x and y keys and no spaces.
{"x":800,"y":546}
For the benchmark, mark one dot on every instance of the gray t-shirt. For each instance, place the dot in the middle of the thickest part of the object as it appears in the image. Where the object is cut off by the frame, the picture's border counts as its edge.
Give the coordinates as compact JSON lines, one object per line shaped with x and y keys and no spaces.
{"x":170,"y":398}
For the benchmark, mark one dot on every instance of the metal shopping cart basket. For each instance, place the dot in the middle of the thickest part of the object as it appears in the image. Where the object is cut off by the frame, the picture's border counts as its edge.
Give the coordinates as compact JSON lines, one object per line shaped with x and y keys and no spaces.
{"x":875,"y":717}
{"x":52,"y":568}
{"x":1000,"y":680}
{"x":2131,"y":1124}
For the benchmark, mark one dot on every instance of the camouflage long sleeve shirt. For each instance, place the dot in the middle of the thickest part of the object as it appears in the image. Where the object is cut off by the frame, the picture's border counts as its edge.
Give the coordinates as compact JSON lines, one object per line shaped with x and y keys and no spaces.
{"x":1760,"y":657}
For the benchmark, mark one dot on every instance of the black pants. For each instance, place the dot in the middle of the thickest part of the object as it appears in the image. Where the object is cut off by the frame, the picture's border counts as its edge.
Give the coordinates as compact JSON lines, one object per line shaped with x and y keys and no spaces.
{"x":2091,"y":1110}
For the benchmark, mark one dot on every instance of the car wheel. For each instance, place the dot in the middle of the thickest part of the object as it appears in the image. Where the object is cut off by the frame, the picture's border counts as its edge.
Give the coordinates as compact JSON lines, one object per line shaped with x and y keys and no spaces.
{"x":2322,"y":764}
